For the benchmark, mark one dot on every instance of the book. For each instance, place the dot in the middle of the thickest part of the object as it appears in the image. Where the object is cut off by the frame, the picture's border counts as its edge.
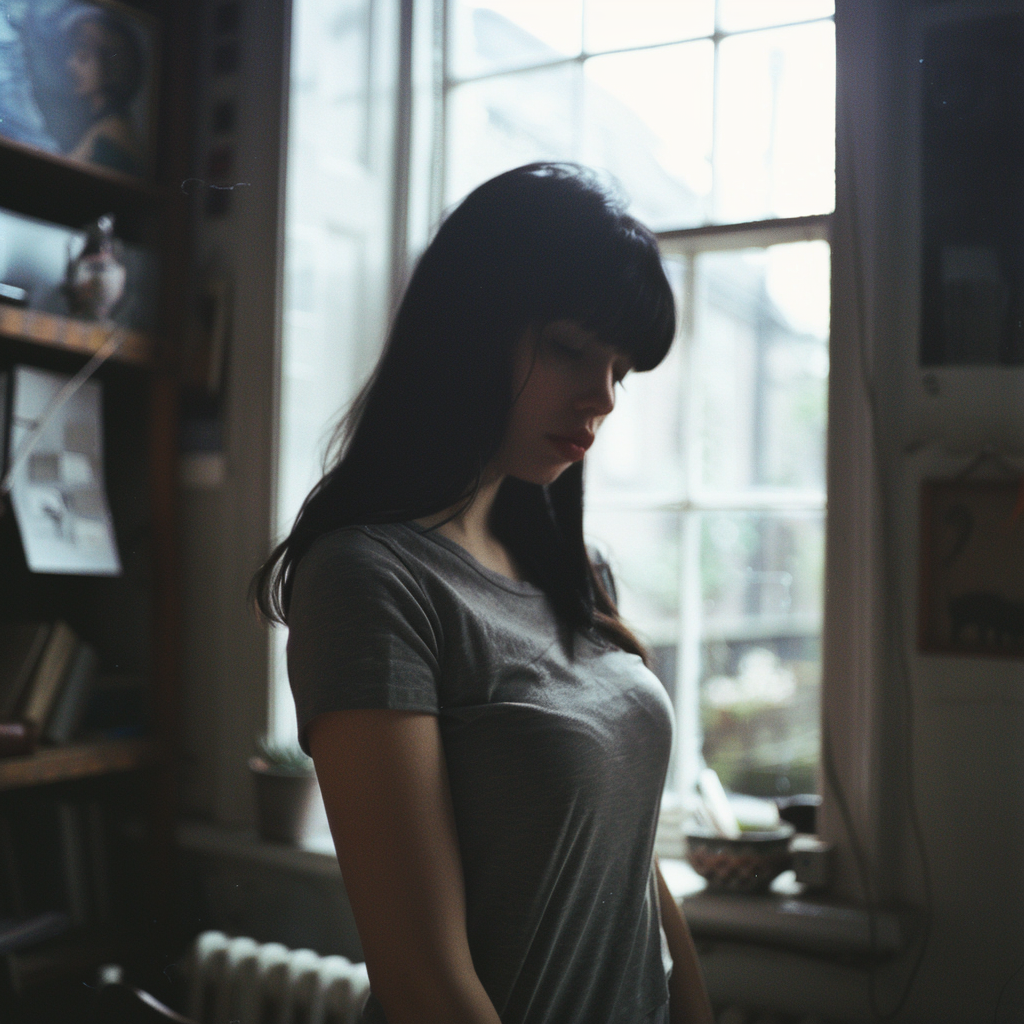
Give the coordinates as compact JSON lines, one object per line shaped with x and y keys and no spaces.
{"x":18,"y":932}
{"x":72,"y":849}
{"x":40,"y":862}
{"x":21,"y":645}
{"x":17,"y":738}
{"x":71,"y":703}
{"x":53,"y":667}
{"x":98,"y":843}
{"x":12,"y":887}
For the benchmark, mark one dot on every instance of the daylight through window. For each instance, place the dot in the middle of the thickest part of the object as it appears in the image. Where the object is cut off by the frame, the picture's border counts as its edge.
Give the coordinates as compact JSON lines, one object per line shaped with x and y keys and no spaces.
{"x":707,"y":487}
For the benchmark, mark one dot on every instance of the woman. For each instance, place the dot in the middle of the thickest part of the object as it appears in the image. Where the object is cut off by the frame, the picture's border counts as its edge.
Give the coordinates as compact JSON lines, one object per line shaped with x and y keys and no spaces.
{"x":490,"y":745}
{"x":106,"y":66}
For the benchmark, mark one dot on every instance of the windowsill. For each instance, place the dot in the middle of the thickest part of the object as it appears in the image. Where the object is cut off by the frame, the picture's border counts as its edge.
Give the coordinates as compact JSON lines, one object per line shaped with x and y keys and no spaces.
{"x":314,"y":857}
{"x":784,"y":916}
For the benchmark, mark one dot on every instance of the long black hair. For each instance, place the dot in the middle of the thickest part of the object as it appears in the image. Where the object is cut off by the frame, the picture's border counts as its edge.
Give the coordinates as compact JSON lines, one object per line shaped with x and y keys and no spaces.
{"x":540,"y":243}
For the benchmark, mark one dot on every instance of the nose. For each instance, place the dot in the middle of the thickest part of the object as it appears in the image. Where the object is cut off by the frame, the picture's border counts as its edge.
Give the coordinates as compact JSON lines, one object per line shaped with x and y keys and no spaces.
{"x":598,"y":397}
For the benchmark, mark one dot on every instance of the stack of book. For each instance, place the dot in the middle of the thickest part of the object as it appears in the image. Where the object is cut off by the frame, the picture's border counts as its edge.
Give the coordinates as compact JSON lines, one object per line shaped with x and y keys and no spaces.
{"x":47,"y":675}
{"x":59,"y":876}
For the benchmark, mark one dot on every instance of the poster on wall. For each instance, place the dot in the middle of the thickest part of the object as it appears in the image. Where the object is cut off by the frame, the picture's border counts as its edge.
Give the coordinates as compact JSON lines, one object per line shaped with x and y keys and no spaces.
{"x":78,"y":78}
{"x":58,"y":491}
{"x":972,"y":567}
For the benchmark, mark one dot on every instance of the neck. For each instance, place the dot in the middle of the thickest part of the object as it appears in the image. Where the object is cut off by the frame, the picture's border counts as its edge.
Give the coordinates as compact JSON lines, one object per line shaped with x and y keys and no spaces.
{"x":470,"y":528}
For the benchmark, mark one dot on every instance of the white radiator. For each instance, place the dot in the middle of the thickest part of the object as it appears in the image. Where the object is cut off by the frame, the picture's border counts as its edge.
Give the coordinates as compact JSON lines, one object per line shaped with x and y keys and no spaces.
{"x":239,"y":981}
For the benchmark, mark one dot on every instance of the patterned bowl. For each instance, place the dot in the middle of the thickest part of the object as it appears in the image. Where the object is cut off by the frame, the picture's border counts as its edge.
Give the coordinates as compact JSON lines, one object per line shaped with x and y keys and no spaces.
{"x":747,"y":864}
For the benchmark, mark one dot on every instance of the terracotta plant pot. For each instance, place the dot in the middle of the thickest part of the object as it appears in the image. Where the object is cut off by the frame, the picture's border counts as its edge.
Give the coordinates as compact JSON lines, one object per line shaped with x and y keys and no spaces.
{"x":283,"y":801}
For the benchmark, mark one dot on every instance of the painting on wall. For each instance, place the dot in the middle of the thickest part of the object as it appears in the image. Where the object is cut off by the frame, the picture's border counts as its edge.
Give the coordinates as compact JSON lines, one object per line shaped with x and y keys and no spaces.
{"x":972,"y":567}
{"x":78,"y":78}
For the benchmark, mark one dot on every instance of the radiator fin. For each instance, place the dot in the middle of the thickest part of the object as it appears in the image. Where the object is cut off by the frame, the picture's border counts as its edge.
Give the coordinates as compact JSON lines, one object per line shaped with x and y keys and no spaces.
{"x":240,"y":981}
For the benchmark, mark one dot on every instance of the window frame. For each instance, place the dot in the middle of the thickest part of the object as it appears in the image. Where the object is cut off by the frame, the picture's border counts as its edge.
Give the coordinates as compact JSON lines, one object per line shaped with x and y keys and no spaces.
{"x":685,"y":243}
{"x":693,"y":500}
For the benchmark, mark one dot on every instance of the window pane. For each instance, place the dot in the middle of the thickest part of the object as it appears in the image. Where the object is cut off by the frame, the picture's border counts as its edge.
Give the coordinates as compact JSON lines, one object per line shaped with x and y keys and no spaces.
{"x":609,"y":27}
{"x":761,"y":587}
{"x":734,"y":15}
{"x":503,"y":122}
{"x":775,"y":145}
{"x":499,"y":35}
{"x":329,"y":91}
{"x":648,"y":120}
{"x":642,"y":548}
{"x":761,"y":366}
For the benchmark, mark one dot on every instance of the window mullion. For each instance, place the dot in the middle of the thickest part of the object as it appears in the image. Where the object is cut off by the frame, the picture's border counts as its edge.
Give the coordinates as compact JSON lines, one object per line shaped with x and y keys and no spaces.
{"x":688,"y":731}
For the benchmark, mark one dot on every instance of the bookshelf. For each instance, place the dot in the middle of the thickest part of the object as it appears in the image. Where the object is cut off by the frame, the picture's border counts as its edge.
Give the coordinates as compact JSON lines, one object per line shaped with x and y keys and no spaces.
{"x":78,"y":761}
{"x":133,"y":621}
{"x":82,"y":337}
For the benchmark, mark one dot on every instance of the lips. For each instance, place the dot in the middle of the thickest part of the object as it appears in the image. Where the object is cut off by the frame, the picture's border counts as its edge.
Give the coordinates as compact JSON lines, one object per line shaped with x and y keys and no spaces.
{"x":572,"y":447}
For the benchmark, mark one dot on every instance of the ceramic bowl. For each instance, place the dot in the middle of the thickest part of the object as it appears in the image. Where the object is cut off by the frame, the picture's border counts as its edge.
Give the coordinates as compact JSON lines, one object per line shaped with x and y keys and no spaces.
{"x":747,"y":864}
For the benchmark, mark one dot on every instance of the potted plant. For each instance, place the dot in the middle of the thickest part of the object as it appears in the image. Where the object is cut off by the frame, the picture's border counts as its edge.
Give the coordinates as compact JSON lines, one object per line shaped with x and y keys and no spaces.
{"x":285,"y":785}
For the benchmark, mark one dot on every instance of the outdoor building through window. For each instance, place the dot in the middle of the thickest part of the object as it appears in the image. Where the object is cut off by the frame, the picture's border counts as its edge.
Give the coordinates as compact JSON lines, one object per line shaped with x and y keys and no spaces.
{"x":706,"y":488}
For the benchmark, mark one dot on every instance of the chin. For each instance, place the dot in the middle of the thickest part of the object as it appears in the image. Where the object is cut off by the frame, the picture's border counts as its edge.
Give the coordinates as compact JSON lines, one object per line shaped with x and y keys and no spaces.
{"x":541,"y":475}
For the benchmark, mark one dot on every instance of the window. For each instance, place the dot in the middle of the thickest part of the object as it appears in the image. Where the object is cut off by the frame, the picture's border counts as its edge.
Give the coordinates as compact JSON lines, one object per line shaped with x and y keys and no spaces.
{"x":338,"y":213}
{"x":707,"y":487}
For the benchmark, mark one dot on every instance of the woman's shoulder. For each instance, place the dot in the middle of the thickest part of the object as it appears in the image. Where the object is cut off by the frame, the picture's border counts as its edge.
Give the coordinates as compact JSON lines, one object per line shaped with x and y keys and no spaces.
{"x":380,"y":547}
{"x":375,"y":559}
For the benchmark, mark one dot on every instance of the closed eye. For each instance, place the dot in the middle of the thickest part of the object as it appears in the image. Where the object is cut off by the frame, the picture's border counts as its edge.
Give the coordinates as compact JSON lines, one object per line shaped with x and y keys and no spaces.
{"x":570,"y":351}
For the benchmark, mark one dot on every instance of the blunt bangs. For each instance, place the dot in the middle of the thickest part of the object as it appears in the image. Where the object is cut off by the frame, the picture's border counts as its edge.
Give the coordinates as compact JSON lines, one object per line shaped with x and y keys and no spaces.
{"x":635,"y":310}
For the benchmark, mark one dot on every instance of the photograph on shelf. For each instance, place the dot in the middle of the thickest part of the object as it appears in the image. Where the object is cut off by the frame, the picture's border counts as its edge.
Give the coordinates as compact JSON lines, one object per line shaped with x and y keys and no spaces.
{"x":55,"y":456}
{"x":78,"y":78}
{"x":972,"y":567}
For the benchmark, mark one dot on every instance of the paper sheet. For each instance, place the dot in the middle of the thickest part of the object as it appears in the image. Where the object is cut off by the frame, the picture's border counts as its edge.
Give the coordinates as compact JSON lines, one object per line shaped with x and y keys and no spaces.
{"x":58,"y":493}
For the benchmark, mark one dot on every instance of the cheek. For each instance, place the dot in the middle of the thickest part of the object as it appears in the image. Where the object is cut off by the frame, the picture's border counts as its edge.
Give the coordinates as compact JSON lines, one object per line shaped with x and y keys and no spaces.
{"x":545,"y":393}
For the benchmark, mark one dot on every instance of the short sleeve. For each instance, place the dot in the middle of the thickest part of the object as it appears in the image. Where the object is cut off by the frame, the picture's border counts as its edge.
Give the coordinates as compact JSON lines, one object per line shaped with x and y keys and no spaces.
{"x":360,"y":632}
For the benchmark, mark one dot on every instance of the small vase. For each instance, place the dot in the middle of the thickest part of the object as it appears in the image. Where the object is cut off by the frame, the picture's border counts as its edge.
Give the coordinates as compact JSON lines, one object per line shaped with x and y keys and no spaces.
{"x":284,"y":801}
{"x":95,"y":278}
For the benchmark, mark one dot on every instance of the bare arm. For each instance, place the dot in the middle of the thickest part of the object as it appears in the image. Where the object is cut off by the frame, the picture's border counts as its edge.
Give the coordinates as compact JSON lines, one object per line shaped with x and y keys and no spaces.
{"x":385,"y":787}
{"x":687,"y":997}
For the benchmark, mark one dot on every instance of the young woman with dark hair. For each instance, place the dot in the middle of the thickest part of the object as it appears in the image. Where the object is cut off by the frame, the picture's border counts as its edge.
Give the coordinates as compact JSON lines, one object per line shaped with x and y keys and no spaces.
{"x":490,"y":745}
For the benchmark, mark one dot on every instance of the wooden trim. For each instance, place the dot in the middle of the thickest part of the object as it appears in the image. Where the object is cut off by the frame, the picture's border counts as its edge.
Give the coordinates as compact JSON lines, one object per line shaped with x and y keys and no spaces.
{"x":748,"y":235}
{"x":78,"y":761}
{"x":140,"y":187}
{"x":71,"y":335}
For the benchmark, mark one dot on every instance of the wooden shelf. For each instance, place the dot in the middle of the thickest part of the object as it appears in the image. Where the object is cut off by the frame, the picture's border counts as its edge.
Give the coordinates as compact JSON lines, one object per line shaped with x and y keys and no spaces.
{"x":90,"y":173}
{"x":62,"y":332}
{"x":86,"y":175}
{"x":77,"y":761}
{"x":54,"y":188}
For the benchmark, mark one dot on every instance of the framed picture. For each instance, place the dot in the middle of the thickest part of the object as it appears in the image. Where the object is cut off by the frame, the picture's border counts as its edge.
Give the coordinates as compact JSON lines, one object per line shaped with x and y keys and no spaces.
{"x":972,"y":567}
{"x":78,"y":78}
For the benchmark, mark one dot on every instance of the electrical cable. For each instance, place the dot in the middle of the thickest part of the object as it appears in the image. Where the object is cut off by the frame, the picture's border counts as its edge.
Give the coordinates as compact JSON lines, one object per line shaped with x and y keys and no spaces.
{"x":895,"y":601}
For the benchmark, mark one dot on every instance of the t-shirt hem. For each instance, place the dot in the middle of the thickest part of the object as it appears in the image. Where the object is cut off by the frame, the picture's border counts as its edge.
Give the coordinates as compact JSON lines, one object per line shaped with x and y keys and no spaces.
{"x":416,"y":707}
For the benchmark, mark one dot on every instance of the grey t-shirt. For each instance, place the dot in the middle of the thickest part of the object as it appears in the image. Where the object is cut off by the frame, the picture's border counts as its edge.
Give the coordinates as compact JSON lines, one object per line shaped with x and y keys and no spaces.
{"x":556,"y":761}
